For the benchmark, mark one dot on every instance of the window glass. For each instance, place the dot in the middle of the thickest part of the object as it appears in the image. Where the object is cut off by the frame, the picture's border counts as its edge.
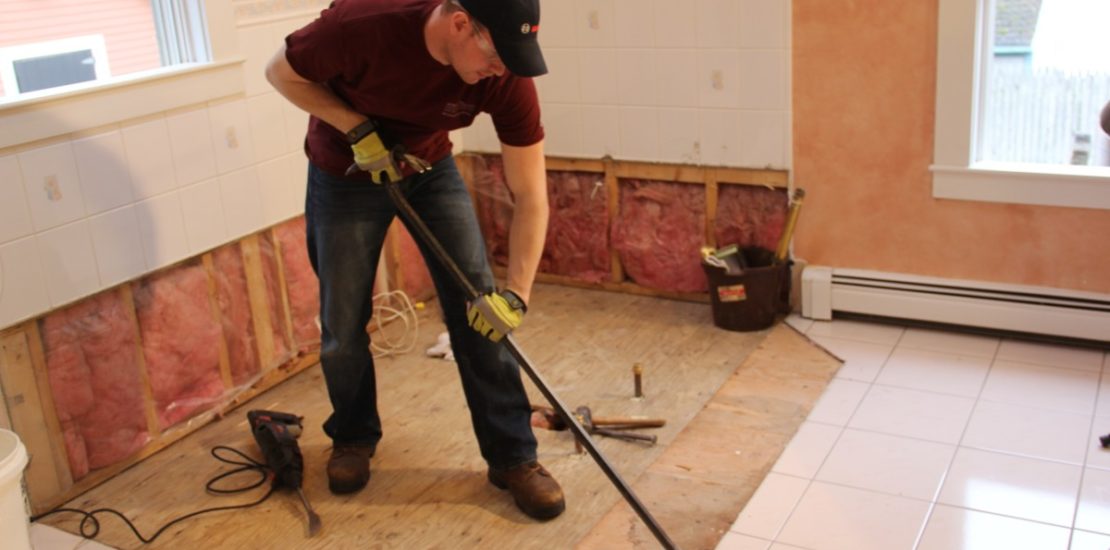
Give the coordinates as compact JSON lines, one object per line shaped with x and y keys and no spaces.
{"x":1046,"y":80}
{"x":46,"y":45}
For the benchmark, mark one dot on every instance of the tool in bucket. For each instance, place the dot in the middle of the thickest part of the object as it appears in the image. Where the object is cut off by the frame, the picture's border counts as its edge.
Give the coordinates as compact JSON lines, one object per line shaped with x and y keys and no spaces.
{"x":425,"y":235}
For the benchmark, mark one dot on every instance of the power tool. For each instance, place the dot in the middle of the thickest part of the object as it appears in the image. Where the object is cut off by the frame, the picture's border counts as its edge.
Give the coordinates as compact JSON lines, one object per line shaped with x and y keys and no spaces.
{"x":276,"y":434}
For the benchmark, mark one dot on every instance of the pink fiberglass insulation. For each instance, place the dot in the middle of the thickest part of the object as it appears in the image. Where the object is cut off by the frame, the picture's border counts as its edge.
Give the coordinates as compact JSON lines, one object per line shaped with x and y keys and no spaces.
{"x":93,"y":367}
{"x":300,"y":280}
{"x":494,"y":205}
{"x":577,"y":244}
{"x":282,"y":346}
{"x":659,"y":233}
{"x":181,"y":342}
{"x":235,"y":313}
{"x":416,"y":281}
{"x":749,"y":215}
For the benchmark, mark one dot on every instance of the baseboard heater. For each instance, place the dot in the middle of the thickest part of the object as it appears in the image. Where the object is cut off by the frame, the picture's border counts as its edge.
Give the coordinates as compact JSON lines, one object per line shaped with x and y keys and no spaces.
{"x":1010,"y":308}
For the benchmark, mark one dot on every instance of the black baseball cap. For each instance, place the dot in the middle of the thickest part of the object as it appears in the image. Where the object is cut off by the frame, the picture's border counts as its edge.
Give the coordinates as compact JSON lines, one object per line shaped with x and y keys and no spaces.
{"x":513,"y":25}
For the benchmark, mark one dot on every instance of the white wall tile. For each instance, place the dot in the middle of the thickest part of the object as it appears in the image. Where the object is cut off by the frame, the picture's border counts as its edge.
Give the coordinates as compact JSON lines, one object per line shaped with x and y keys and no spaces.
{"x":267,"y":121}
{"x":296,"y":126}
{"x":257,"y":45}
{"x":763,"y":79}
{"x":162,"y":229}
{"x":68,"y":263}
{"x":15,"y":216}
{"x":194,"y":158}
{"x":102,"y":167}
{"x":52,"y":185}
{"x":599,"y":76}
{"x":600,"y":131}
{"x":563,"y":129}
{"x":718,"y":79}
{"x":242,"y":207}
{"x":639,"y":130}
{"x":298,"y":166}
{"x":675,"y":24}
{"x":764,"y":23}
{"x":679,"y":136}
{"x":557,"y":24}
{"x":720,"y":139}
{"x":677,"y":77}
{"x":716,"y":22}
{"x":202,"y":209}
{"x":561,"y":83}
{"x":22,"y":282}
{"x":118,"y":245}
{"x":231,"y":136}
{"x":595,"y":23}
{"x":481,"y":136}
{"x":762,"y":139}
{"x":150,"y":158}
{"x":635,"y":24}
{"x":636,"y":77}
{"x":277,"y":198}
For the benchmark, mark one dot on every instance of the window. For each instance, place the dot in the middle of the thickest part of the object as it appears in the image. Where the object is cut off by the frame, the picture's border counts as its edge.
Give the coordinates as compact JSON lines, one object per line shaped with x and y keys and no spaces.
{"x":1020,"y":84}
{"x":48,"y":45}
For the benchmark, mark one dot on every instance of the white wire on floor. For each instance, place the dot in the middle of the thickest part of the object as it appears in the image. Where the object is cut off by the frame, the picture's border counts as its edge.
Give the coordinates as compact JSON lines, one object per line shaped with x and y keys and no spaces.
{"x":392,"y":338}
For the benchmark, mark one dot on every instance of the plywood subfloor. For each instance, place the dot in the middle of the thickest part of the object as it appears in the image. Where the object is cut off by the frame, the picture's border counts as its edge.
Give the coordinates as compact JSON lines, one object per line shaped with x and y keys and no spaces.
{"x":428,"y":488}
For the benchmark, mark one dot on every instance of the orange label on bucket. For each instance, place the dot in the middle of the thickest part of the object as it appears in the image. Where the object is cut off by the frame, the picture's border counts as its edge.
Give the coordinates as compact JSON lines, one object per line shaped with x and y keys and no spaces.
{"x":734,"y":293}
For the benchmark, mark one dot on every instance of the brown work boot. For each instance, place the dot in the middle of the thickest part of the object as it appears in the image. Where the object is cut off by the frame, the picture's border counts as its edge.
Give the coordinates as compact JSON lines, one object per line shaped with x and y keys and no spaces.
{"x":349,"y":468}
{"x":535,"y":492}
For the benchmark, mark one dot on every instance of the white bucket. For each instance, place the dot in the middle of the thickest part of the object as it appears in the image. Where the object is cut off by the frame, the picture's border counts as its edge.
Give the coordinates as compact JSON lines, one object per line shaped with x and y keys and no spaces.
{"x":14,"y":523}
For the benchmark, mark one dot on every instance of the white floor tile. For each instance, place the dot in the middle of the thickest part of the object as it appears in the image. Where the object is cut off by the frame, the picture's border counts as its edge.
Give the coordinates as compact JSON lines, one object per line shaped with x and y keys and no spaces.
{"x":803,"y":456}
{"x":950,"y":342}
{"x":1103,"y":406}
{"x":1028,"y":431}
{"x":766,"y":512}
{"x":913,"y":413}
{"x":1050,"y":354}
{"x":1040,"y":386}
{"x":46,"y":537}
{"x":1094,"y":502}
{"x":736,"y":541}
{"x":857,"y":330}
{"x":1085,"y":540}
{"x":839,"y":401}
{"x":1097,"y":455}
{"x":1013,"y":486}
{"x":862,"y":360}
{"x":887,"y":464}
{"x":831,"y":517}
{"x":962,"y":529}
{"x":935,"y":371}
{"x":801,"y":324}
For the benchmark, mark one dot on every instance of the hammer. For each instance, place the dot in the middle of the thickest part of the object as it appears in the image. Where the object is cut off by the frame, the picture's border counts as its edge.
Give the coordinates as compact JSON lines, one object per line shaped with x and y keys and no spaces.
{"x":546,"y":417}
{"x":586,"y":419}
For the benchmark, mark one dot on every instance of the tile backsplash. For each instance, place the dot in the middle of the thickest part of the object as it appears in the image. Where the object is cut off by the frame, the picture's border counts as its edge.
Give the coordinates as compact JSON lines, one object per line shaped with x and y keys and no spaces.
{"x":621,"y":70}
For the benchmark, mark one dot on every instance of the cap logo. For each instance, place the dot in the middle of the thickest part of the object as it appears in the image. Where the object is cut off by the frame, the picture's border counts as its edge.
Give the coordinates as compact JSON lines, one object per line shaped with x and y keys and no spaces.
{"x":528,"y":28}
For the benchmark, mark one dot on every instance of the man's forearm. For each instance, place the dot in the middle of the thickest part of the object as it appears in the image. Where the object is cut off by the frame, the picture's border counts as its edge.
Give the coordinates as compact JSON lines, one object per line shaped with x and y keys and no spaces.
{"x":312,"y":97}
{"x":526,"y":175}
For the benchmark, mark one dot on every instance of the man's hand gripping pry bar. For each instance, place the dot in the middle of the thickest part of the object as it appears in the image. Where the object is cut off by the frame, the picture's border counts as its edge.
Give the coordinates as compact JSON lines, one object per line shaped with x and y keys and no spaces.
{"x":425,"y":235}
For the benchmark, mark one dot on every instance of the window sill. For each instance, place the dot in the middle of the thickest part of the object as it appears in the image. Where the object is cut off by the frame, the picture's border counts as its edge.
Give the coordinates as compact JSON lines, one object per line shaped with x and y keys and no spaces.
{"x":1069,"y":186}
{"x":87,"y":106}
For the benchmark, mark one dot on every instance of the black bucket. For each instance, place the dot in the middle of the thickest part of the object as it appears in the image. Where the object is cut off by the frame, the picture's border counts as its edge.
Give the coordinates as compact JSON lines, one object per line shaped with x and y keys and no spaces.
{"x":750,"y":300}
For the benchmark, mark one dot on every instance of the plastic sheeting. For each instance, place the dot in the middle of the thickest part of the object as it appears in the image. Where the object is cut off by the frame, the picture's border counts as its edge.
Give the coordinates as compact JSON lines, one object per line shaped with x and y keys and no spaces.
{"x":749,"y":215}
{"x":659,"y":233}
{"x":301,"y":282}
{"x":92,"y":364}
{"x":181,"y":342}
{"x":235,"y":313}
{"x":283,"y":347}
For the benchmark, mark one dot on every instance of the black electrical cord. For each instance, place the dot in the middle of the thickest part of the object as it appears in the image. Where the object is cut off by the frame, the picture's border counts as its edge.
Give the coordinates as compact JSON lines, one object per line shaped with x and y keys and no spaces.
{"x":90,"y":526}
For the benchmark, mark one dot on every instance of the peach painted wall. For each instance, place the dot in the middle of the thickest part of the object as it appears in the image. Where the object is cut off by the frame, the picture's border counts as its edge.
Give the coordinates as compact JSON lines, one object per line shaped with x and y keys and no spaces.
{"x":864,"y":75}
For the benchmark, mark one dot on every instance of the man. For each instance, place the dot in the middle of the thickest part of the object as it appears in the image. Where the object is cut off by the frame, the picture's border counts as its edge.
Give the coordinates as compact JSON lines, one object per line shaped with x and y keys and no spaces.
{"x":378,"y":74}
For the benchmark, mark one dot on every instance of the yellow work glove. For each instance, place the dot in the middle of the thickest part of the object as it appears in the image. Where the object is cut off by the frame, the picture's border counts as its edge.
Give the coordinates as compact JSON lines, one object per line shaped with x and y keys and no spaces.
{"x":494,"y":315}
{"x":371,"y":154}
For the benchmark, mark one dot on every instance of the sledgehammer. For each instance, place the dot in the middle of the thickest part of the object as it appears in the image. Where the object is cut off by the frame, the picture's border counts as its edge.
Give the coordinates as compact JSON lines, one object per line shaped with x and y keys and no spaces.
{"x":429,"y":240}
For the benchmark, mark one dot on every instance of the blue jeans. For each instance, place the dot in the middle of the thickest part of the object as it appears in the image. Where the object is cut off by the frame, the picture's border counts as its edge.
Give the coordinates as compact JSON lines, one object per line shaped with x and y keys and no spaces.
{"x":346,"y":224}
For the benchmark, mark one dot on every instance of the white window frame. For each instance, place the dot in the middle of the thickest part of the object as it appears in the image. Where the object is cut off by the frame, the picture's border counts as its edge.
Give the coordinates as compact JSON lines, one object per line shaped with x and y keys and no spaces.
{"x":35,"y":116}
{"x":957,"y":174}
{"x":12,"y":54}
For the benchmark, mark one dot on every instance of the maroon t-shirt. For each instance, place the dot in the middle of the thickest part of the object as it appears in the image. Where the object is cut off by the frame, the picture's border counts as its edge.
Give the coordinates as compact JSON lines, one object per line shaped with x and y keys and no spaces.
{"x":372,"y":55}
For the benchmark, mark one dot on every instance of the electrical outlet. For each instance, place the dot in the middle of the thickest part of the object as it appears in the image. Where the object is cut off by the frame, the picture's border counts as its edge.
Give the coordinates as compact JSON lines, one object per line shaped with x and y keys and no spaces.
{"x":231,"y":137}
{"x":53,"y":190}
